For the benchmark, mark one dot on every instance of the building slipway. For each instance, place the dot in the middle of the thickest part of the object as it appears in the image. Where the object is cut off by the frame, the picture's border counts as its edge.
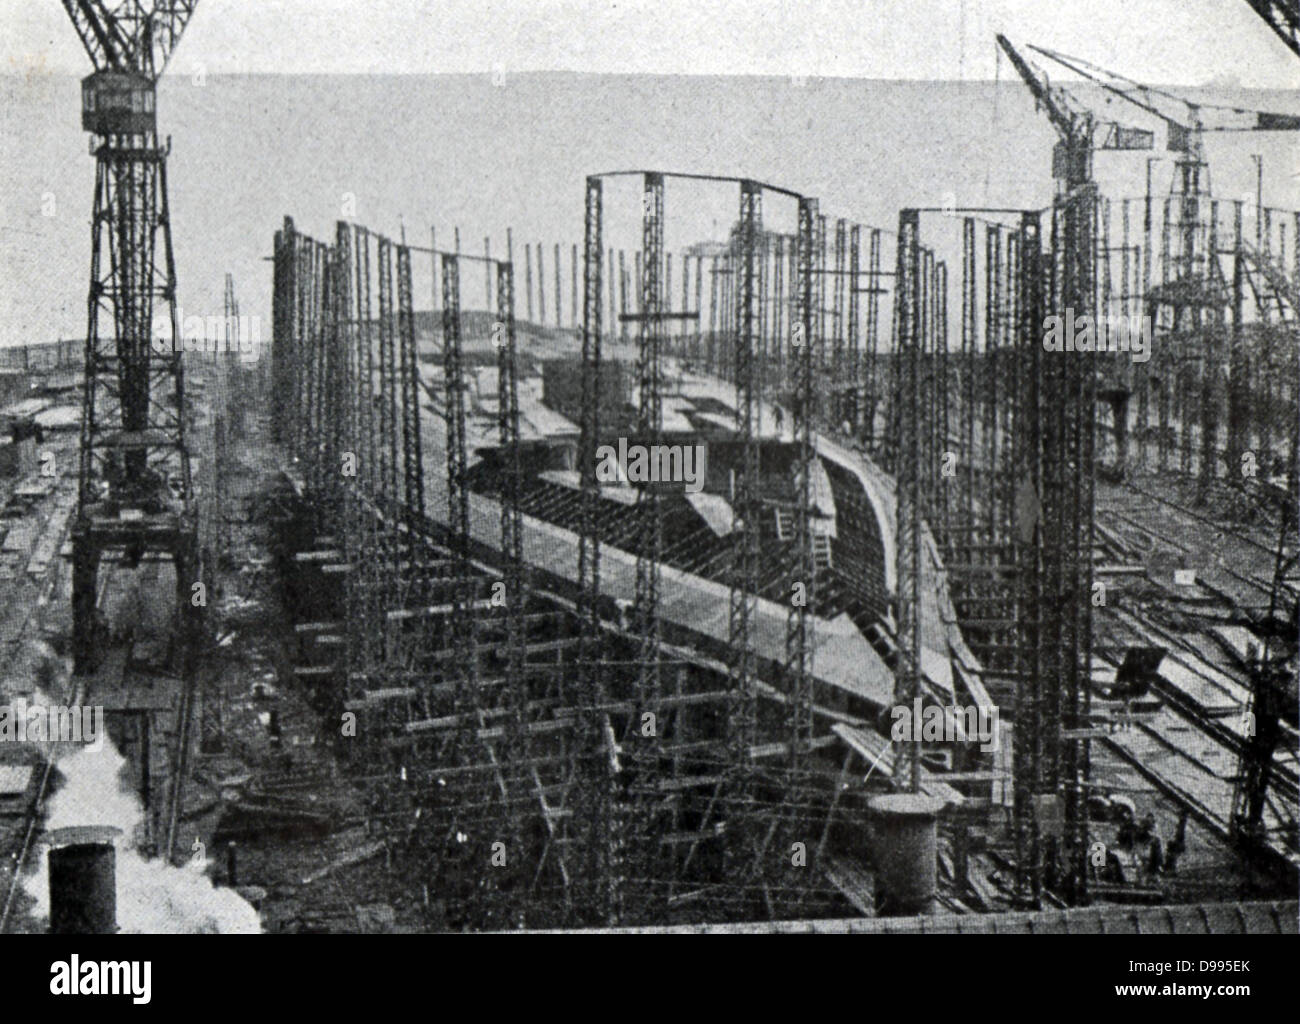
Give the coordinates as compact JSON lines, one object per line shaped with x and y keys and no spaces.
{"x":697,"y":608}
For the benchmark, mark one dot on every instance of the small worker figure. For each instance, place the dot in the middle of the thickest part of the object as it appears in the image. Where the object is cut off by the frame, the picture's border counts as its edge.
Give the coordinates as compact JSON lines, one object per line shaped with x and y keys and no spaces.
{"x":1114,"y":869}
{"x":778,"y":417}
{"x":1052,"y":863}
{"x":1148,"y":840}
{"x":1155,"y":856}
{"x":1176,"y":845}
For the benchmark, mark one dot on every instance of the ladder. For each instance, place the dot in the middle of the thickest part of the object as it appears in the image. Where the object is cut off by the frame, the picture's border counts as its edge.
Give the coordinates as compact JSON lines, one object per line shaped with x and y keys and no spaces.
{"x":821,"y":550}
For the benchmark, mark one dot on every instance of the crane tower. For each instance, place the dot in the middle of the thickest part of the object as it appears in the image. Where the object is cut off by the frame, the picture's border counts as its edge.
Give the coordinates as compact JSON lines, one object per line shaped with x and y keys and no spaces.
{"x":134,"y":492}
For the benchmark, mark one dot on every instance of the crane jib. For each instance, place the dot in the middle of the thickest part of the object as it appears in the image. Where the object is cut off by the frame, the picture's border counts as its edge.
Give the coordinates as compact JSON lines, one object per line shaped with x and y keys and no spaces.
{"x":1266,"y":122}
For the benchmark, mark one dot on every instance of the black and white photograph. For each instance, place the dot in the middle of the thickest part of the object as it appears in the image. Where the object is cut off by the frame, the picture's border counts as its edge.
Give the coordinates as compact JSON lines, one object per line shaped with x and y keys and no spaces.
{"x":737,"y":467}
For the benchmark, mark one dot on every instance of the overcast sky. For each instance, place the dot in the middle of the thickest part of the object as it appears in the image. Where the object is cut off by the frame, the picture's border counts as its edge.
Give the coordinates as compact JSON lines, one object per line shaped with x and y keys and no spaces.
{"x":1172,"y":41}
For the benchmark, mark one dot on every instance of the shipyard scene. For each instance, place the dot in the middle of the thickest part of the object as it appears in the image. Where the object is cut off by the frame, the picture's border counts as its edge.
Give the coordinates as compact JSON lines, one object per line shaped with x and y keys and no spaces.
{"x":444,"y":491}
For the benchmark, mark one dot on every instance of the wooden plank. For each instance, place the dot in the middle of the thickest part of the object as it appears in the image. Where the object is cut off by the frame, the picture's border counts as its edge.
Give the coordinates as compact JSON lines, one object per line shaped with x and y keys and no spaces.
{"x":430,"y":611}
{"x":316,"y":627}
{"x":313,"y":671}
{"x":765,"y":750}
{"x":856,"y":885}
{"x":318,"y":556}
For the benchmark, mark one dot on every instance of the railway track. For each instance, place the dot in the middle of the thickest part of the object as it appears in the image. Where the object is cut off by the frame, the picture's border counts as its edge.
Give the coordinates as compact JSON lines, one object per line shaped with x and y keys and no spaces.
{"x":30,"y":826}
{"x":179,"y":766}
{"x":1192,"y":751}
{"x":1110,"y":508}
{"x":1189,"y":782}
{"x":77,"y":693}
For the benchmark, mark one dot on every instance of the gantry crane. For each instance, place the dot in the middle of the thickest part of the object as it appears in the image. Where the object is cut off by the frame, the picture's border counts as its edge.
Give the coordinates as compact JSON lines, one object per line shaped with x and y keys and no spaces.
{"x":1187,"y":121}
{"x":1197,"y":288}
{"x":134,"y":492}
{"x":1187,"y":128}
{"x":1080,"y":131}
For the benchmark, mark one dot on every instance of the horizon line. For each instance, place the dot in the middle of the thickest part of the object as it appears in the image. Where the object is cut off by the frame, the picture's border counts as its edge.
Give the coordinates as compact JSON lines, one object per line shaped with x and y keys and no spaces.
{"x":47,"y":72}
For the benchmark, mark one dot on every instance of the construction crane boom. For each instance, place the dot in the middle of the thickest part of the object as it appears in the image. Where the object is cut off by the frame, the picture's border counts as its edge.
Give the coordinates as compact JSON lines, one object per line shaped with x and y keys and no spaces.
{"x":130,"y":35}
{"x":1283,"y":17}
{"x":100,"y":38}
{"x":1079,"y":130}
{"x":1072,"y":159}
{"x":1185,"y":131}
{"x":1068,"y":123}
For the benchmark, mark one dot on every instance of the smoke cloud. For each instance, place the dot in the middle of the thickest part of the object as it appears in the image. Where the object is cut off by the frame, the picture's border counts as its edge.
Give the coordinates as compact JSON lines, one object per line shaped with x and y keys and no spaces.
{"x":153,"y":897}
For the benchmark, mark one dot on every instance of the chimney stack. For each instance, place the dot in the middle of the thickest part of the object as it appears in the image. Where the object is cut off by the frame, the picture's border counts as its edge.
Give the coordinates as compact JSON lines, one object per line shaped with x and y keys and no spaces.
{"x":83,"y":880}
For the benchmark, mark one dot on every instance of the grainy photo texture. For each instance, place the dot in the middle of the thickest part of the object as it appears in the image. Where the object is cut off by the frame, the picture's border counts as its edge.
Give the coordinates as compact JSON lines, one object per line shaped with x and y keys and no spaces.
{"x":734,"y":467}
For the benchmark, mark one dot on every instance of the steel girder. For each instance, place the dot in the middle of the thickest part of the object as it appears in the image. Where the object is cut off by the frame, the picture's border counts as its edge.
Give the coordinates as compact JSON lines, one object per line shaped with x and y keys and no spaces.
{"x":746,"y":534}
{"x":908,"y":309}
{"x":801,"y":592}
